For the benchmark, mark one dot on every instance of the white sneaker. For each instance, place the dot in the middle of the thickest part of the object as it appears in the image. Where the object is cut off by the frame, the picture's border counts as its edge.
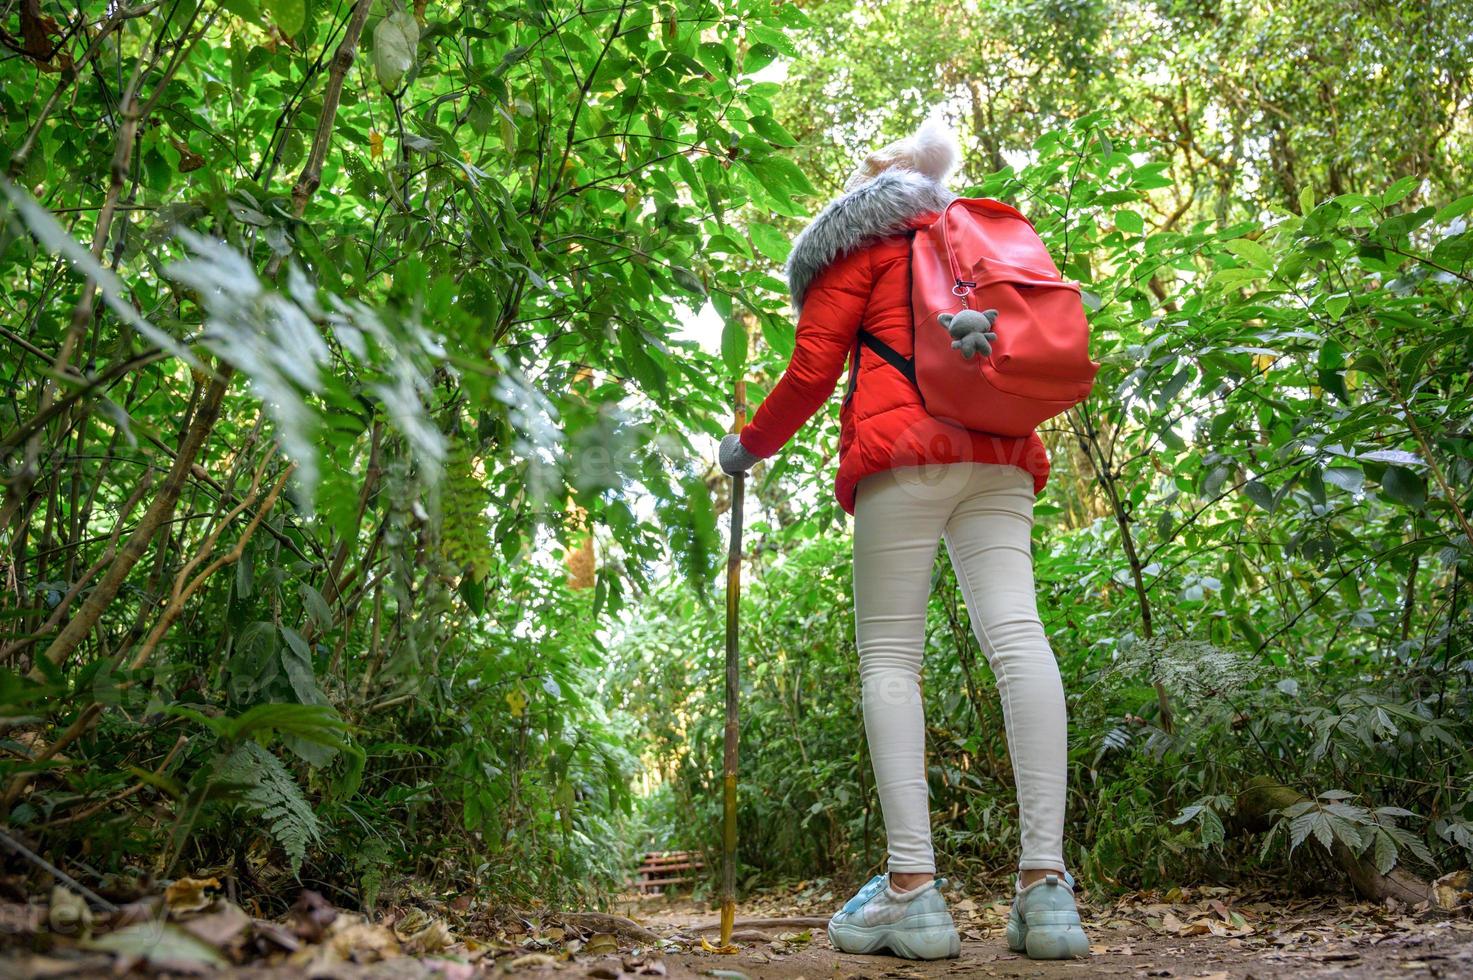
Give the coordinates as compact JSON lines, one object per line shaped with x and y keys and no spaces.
{"x":1044,"y":922}
{"x":914,"y":924}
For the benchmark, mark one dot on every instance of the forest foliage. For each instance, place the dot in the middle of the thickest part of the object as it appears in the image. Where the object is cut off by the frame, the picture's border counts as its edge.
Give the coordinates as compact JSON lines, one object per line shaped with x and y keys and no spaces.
{"x":359,"y":518}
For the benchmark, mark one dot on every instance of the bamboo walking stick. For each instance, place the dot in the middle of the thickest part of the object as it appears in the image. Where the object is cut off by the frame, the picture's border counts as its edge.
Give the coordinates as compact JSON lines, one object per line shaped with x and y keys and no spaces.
{"x":733,"y":724}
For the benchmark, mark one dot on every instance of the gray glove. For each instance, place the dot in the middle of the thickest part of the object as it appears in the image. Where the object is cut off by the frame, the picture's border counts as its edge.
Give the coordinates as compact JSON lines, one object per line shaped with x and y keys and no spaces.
{"x":734,"y":457}
{"x":971,"y":332}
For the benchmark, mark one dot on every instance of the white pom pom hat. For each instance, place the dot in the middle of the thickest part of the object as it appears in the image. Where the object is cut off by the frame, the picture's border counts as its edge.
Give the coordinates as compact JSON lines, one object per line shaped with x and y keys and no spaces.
{"x":932,"y":150}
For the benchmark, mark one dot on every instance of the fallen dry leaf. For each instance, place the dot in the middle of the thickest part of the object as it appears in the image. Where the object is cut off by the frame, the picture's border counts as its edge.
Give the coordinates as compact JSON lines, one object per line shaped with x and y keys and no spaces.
{"x":69,"y":914}
{"x":144,"y":910}
{"x":223,"y":925}
{"x":188,"y":894}
{"x":39,"y":967}
{"x":409,"y":922}
{"x":356,"y":941}
{"x":311,"y":915}
{"x":163,"y":945}
{"x":1452,"y":890}
{"x":531,"y":959}
{"x":431,"y":939}
{"x":1233,"y":925}
{"x":269,"y":934}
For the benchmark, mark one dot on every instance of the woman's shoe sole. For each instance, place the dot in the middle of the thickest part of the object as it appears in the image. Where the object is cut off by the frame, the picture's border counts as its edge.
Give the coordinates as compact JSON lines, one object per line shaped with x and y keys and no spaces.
{"x":1060,"y":942}
{"x":935,"y":943}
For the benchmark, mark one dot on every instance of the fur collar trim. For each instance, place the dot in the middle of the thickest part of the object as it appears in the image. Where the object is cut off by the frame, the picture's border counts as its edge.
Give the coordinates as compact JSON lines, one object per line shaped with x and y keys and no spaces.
{"x":883,"y":206}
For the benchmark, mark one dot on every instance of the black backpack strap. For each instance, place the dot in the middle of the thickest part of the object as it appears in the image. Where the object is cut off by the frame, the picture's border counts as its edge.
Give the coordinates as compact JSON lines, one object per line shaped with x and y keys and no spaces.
{"x":892,"y":357}
{"x":853,"y":371}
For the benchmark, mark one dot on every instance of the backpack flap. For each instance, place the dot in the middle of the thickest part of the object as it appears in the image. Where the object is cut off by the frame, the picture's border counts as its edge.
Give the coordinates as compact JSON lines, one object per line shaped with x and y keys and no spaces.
{"x":981,"y":254}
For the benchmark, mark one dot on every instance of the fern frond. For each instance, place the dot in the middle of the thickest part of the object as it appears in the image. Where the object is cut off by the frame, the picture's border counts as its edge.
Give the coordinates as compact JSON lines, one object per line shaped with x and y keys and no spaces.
{"x":274,"y":795}
{"x":1195,"y":671}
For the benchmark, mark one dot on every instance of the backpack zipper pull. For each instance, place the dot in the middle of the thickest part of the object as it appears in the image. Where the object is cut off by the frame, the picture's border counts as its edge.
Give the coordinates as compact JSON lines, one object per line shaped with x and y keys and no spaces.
{"x":962,"y":287}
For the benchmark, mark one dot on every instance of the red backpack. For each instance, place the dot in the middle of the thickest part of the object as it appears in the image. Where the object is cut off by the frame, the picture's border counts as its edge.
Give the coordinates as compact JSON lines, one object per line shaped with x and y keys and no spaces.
{"x":981,"y":254}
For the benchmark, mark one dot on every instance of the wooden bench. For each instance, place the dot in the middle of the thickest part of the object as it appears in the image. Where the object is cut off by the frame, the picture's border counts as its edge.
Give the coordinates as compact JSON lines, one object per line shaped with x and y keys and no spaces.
{"x":663,"y":869}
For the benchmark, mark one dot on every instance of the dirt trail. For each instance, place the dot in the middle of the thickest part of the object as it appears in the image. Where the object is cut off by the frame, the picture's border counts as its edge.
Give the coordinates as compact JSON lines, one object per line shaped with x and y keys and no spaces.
{"x":1131,"y":952}
{"x":1140,"y":939}
{"x":1207,"y":933}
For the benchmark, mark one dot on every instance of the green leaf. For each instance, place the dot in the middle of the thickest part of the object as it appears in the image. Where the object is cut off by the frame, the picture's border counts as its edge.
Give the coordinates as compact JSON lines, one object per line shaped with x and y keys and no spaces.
{"x":1399,"y":190}
{"x":289,"y":15}
{"x":318,"y":611}
{"x":784,"y":173}
{"x":473,"y":591}
{"x":779,"y":334}
{"x":1249,"y":632}
{"x":296,"y":660}
{"x":1456,"y":209}
{"x":1330,"y":370}
{"x":734,"y":345}
{"x":1347,"y":478}
{"x":1130,"y":222}
{"x":318,"y":723}
{"x":1335,"y":305}
{"x":395,"y":41}
{"x":1260,"y":494}
{"x":773,"y":36}
{"x":1385,"y":851}
{"x":1404,"y":486}
{"x":1236,"y":277}
{"x":768,"y":129}
{"x":1314,"y":481}
{"x":641,"y":362}
{"x":770,"y":242}
{"x":246,"y":10}
{"x":1173,"y":386}
{"x":687,"y":280}
{"x":715,"y":57}
{"x":758,"y":57}
{"x":1251,"y":251}
{"x":1400,"y":456}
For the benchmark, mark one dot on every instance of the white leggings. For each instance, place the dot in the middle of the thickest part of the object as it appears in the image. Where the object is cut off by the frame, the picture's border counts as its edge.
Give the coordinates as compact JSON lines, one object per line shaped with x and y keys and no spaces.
{"x":985,"y":511}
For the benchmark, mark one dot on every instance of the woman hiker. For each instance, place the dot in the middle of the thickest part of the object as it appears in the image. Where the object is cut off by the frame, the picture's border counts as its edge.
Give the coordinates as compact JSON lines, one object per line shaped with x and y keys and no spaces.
{"x":911,"y":480}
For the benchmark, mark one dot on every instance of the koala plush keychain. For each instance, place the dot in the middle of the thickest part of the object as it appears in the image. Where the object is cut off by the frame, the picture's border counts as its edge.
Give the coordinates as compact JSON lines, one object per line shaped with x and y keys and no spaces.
{"x":971,"y":332}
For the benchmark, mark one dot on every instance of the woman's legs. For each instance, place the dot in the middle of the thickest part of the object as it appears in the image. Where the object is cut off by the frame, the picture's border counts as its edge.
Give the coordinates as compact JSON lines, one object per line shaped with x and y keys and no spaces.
{"x":988,"y":537}
{"x":986,"y":514}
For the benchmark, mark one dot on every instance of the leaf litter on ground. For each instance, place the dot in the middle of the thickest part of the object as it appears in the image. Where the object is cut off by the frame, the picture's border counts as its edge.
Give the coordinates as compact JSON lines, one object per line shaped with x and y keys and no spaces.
{"x":191,"y":928}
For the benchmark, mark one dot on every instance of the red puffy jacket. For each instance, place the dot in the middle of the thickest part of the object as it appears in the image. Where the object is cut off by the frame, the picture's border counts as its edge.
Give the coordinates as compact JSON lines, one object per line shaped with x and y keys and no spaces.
{"x":850,"y":278}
